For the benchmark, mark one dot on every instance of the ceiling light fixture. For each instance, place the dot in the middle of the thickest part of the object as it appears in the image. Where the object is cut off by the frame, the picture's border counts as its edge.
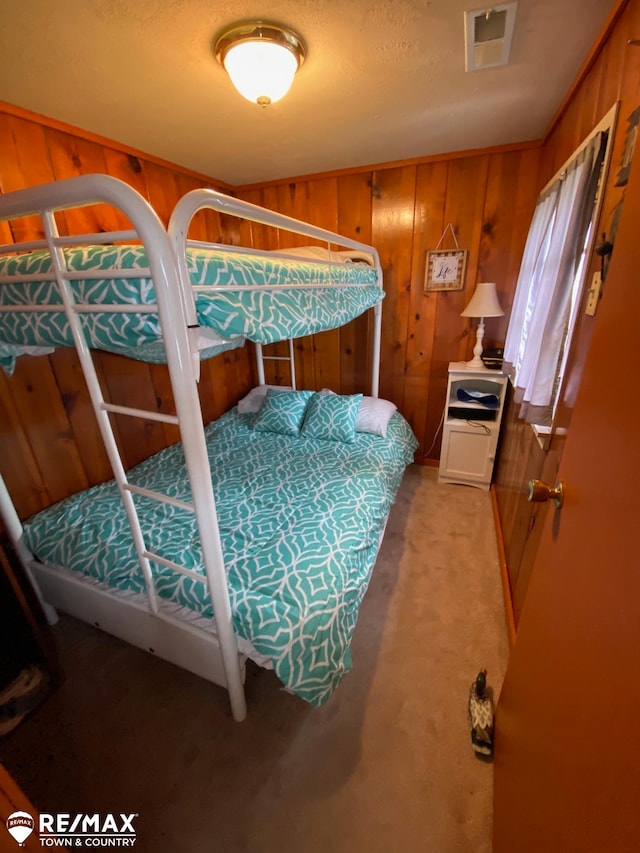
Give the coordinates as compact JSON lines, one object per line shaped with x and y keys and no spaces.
{"x":261,"y":59}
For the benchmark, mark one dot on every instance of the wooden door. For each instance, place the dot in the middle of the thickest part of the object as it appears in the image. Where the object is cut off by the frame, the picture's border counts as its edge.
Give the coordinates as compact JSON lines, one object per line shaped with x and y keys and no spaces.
{"x":567,"y":759}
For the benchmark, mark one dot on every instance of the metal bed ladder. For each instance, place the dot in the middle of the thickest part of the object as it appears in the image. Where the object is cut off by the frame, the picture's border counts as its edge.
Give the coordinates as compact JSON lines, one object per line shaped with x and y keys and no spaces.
{"x":91,"y":189}
{"x":261,"y":358}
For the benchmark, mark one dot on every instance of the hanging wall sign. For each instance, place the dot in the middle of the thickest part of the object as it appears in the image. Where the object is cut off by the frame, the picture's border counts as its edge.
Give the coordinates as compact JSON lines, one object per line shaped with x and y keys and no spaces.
{"x":445,"y":268}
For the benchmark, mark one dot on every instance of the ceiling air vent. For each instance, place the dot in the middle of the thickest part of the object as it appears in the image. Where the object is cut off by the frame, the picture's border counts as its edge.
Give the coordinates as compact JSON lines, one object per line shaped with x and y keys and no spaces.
{"x":488,"y":33}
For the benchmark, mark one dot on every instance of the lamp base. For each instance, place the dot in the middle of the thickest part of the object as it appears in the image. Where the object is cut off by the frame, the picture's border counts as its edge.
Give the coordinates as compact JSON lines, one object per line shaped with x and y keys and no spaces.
{"x":475,"y":364}
{"x":476,"y":361}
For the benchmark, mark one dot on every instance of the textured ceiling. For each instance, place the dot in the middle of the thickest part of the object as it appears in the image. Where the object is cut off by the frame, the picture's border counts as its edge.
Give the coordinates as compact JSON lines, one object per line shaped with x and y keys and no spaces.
{"x":383,"y":79}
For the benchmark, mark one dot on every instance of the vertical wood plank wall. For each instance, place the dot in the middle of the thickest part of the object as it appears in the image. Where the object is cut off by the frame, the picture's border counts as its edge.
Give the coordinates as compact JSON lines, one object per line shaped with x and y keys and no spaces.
{"x":614,"y":75}
{"x":50,"y":442}
{"x":50,"y":446}
{"x":403,"y":210}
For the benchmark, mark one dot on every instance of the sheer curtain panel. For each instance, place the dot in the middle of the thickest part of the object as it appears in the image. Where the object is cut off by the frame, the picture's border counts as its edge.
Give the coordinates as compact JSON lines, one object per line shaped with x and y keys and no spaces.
{"x":539,"y":319}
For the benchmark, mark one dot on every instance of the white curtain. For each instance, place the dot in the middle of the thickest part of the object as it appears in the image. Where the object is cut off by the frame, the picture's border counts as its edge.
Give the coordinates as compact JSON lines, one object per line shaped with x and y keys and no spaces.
{"x":540,"y":313}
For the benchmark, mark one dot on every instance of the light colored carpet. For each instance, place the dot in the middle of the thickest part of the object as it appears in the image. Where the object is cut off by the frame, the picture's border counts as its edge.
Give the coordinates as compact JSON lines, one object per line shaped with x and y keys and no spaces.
{"x":385,"y":765}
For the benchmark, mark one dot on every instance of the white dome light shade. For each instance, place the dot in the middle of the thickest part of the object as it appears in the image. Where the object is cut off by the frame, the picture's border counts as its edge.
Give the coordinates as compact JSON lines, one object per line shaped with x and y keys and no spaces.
{"x":261,"y":60}
{"x":262,"y":71}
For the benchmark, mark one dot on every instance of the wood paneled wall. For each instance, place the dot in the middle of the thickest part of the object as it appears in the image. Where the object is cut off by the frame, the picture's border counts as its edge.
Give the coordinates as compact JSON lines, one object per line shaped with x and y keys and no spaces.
{"x":487,"y":197}
{"x":50,"y":443}
{"x":613,"y":74}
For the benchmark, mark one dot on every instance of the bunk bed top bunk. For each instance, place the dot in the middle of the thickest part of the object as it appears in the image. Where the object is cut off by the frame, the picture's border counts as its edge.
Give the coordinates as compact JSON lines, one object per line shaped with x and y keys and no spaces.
{"x":237,"y":295}
{"x":255,"y":535}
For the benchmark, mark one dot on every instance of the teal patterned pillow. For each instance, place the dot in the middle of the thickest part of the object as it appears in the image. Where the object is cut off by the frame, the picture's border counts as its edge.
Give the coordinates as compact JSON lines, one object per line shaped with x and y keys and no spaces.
{"x":282,"y":412}
{"x":332,"y":417}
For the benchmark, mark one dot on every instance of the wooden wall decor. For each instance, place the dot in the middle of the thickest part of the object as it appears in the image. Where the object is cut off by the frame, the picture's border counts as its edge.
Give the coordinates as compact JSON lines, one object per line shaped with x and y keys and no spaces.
{"x":445,"y":269}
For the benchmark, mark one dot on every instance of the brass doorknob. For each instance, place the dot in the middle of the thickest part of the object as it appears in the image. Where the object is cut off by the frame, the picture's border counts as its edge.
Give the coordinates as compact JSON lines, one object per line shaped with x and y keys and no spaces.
{"x":539,"y":492}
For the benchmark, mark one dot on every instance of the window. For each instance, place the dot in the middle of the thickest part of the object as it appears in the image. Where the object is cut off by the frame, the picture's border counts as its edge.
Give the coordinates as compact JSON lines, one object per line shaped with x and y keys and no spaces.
{"x":552,"y":275}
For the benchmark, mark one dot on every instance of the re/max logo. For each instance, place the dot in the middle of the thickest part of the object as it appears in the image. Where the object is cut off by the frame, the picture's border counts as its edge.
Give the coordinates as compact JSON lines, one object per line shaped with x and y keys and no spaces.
{"x":74,"y":830}
{"x":67,"y":824}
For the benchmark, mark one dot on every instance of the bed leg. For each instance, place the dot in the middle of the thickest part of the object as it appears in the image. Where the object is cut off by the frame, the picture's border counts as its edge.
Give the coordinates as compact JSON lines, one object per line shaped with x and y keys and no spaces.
{"x":229,"y":652}
{"x":233,"y":676}
{"x":238,"y":703}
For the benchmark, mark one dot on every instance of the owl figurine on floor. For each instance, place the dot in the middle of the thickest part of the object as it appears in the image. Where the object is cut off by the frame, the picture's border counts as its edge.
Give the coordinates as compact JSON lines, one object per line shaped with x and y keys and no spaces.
{"x":481,"y":716}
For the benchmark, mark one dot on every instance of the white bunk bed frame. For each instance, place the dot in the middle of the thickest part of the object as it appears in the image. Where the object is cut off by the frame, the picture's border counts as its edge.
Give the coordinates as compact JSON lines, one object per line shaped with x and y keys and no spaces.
{"x":212,"y":655}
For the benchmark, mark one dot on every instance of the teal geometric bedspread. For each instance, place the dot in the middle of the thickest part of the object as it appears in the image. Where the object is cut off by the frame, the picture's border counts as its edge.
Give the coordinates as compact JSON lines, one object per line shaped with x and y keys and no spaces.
{"x":300,"y":523}
{"x":260,"y":316}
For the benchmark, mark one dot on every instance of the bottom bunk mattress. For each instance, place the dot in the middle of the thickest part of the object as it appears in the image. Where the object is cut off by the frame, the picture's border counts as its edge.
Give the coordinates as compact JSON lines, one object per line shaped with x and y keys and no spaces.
{"x":300,"y":524}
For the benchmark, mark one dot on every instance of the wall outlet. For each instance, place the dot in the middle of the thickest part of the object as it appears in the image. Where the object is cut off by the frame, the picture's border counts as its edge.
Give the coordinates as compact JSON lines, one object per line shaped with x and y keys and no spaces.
{"x":594,"y":294}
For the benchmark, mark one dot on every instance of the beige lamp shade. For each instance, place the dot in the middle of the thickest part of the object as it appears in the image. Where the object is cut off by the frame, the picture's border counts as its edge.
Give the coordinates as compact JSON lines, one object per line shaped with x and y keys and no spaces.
{"x":484,"y":302}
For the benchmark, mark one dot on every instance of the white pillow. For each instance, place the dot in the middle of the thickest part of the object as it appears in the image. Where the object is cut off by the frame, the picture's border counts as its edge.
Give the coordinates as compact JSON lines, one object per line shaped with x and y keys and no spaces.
{"x":374,"y":414}
{"x":255,"y":398}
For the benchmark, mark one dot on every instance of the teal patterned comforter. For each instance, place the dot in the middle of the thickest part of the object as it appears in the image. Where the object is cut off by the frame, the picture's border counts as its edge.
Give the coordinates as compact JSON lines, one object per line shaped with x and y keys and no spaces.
{"x":258,"y":315}
{"x":300,"y":523}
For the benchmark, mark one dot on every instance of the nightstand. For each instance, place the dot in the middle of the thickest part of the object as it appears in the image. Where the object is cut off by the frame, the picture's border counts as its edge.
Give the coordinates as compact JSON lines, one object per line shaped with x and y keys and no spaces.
{"x":471,"y":427}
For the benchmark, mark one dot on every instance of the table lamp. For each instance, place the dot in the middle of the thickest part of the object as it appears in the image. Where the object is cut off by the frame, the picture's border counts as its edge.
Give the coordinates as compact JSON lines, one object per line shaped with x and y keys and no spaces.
{"x":483,"y":303}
